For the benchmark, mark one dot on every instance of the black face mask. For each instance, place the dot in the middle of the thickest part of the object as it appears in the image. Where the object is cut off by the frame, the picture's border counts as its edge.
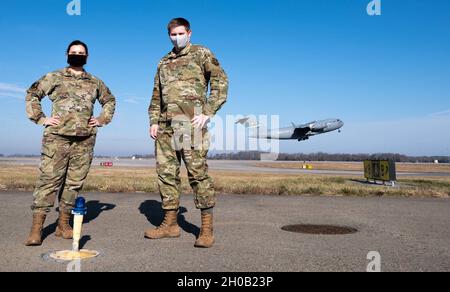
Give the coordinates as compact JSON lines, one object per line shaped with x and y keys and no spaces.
{"x":77,"y":60}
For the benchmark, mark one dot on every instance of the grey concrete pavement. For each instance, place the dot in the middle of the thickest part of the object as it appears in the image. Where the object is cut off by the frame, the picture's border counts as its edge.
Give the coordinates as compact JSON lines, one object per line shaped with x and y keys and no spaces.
{"x":410,"y":234}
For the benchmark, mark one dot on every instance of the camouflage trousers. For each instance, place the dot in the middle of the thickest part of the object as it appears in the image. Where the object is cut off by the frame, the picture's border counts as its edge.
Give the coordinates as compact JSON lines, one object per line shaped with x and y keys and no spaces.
{"x":168,"y":162}
{"x":65,"y":164}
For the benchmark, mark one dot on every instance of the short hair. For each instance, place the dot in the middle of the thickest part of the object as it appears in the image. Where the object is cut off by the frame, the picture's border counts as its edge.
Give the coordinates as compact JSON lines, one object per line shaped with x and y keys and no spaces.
{"x":176,"y":22}
{"x":78,"y":43}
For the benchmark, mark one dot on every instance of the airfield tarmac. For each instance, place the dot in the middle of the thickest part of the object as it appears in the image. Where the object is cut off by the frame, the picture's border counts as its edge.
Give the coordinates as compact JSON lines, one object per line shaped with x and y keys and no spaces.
{"x":410,"y":234}
{"x":228,"y":165}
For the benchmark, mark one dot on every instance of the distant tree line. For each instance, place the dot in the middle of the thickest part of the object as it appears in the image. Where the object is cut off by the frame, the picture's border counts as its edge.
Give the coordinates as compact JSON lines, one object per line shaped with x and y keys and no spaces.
{"x":320,"y":156}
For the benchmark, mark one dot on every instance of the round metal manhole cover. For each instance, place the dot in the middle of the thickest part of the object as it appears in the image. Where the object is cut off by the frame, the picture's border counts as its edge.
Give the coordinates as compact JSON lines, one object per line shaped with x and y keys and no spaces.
{"x":320,"y":229}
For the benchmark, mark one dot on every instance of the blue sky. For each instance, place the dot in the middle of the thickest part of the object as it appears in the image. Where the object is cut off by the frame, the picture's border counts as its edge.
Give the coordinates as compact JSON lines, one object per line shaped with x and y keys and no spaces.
{"x":387,"y":77}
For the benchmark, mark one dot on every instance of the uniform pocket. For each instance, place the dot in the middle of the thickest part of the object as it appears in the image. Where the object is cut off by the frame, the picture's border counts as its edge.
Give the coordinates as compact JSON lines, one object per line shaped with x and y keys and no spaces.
{"x":49,"y":147}
{"x":48,"y":150}
{"x":201,"y":140}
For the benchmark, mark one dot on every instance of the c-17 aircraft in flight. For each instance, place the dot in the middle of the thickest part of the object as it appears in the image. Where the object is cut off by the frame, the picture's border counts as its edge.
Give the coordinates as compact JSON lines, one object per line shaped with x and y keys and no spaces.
{"x":295,"y":132}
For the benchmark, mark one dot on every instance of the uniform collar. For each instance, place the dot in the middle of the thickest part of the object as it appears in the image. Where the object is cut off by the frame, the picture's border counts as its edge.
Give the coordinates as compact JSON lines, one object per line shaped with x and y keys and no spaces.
{"x":183,"y":52}
{"x":84,"y":75}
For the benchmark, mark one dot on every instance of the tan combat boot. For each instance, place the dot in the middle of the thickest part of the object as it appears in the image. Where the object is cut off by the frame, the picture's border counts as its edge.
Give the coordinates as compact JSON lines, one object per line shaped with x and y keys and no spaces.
{"x":206,"y":238}
{"x":168,"y":229}
{"x":35,"y":237}
{"x":64,"y":230}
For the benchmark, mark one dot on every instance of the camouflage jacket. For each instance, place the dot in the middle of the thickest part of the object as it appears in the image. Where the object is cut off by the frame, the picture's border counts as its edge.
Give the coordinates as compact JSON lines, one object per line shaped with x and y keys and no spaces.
{"x":73,"y":98}
{"x":181,"y":85}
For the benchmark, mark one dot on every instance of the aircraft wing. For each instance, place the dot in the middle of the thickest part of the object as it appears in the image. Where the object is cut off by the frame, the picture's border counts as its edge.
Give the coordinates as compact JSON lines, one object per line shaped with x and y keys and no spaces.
{"x":301,"y":132}
{"x":306,"y":126}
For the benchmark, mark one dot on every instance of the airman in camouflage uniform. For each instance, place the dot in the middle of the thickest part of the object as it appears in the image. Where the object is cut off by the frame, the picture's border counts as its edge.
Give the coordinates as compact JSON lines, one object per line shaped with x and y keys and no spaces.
{"x":68,"y":144}
{"x":179,"y":98}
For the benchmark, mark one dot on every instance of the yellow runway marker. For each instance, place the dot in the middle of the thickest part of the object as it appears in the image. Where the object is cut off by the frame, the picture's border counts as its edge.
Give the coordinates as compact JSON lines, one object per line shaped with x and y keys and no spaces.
{"x":70,"y":255}
{"x":76,"y":254}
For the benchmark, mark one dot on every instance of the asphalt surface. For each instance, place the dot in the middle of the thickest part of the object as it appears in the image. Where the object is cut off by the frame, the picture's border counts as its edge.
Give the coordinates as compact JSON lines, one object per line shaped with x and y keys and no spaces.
{"x":409,"y":234}
{"x":227,"y":165}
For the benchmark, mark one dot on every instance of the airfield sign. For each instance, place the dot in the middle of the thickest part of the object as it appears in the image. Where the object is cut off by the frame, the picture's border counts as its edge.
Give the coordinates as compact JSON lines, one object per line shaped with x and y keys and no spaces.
{"x":380,"y":170}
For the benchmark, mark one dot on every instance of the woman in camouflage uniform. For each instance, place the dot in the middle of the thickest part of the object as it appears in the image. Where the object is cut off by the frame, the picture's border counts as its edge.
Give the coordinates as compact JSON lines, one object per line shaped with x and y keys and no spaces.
{"x":69,"y":137}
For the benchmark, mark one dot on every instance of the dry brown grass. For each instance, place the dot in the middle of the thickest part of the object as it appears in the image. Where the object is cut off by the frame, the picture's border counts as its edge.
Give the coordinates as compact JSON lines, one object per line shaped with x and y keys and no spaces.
{"x":128,"y":180}
{"x":348,"y":166}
